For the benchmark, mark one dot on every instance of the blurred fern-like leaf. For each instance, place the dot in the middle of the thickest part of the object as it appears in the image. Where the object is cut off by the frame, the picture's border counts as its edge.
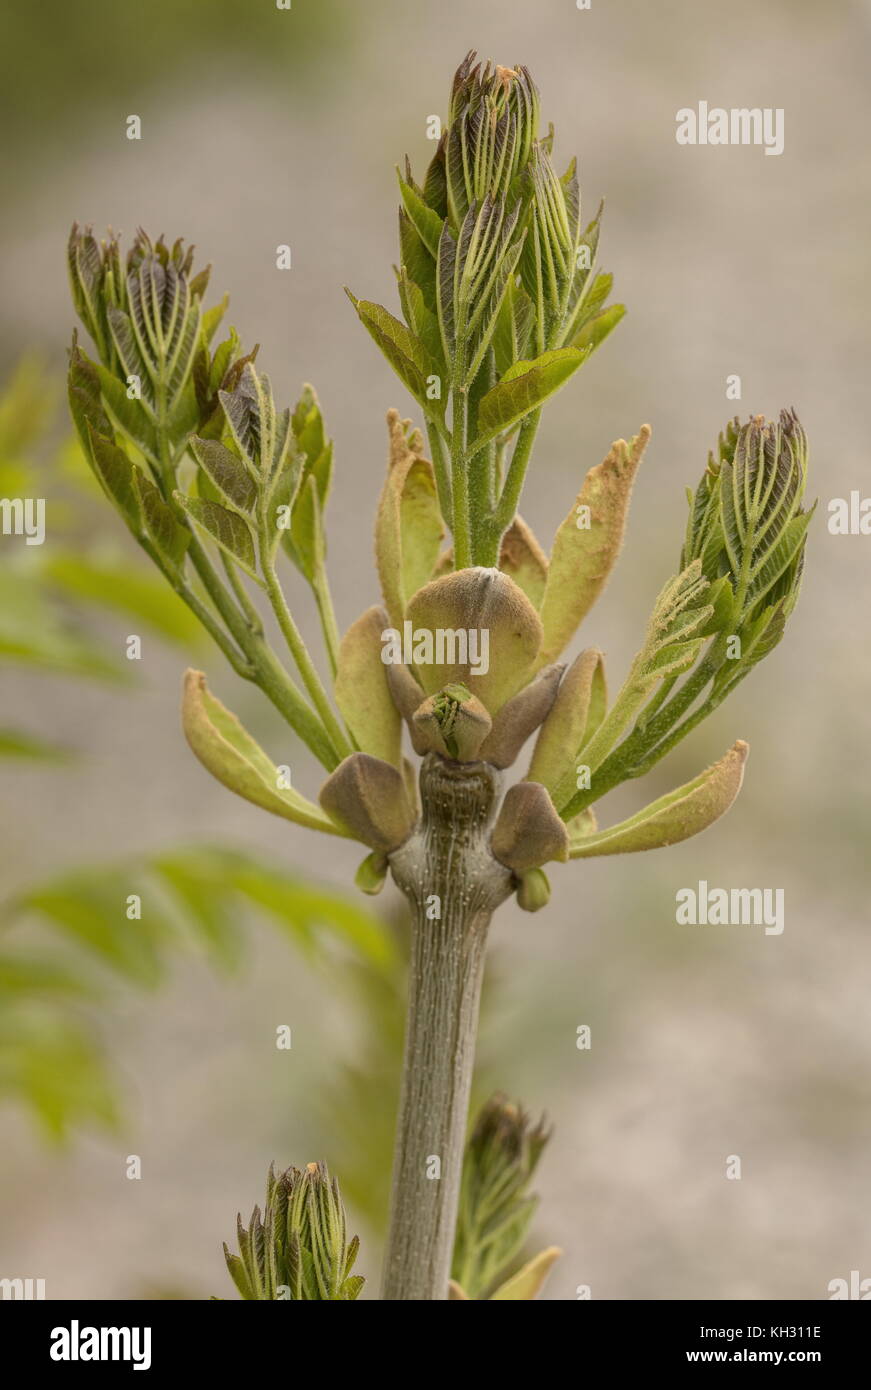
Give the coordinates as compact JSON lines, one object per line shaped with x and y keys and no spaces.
{"x":53,"y":1058}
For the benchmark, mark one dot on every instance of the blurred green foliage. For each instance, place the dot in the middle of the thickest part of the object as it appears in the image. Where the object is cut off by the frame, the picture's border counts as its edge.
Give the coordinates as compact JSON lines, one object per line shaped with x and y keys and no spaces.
{"x":52,"y":1057}
{"x":63,"y":65}
{"x":52,"y":985}
{"x":45,"y":590}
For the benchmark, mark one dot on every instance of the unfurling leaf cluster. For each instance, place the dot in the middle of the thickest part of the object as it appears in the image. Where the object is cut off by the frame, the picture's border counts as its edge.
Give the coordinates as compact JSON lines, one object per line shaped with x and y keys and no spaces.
{"x":498,"y":296}
{"x":219,"y":485}
{"x":297,"y":1249}
{"x":211,"y":478}
{"x":496,"y":1207}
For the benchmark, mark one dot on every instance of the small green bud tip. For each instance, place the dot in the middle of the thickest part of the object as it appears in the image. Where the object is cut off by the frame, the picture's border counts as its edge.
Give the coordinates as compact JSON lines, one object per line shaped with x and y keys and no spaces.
{"x":451,"y":722}
{"x":446,"y":707}
{"x":746,"y":522}
{"x":533,"y":890}
{"x":492,"y":129}
{"x":457,"y":692}
{"x":371,"y":874}
{"x":504,"y":1132}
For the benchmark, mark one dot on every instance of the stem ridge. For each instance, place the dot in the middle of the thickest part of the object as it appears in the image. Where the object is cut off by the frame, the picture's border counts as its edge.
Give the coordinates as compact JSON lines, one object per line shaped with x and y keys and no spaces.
{"x":447,"y":858}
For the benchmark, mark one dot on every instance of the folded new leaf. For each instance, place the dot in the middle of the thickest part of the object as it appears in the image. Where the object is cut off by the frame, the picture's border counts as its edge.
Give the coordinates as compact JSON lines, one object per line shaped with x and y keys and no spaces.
{"x":403,"y":350}
{"x":473,"y":273}
{"x":115,"y":472}
{"x":304,"y":539}
{"x":408,"y":697}
{"x":83,"y":386}
{"x":169,"y":538}
{"x":587,"y":544}
{"x":523,"y":559}
{"x":362,"y":692}
{"x":524,"y":387}
{"x":596,"y":329}
{"x":425,"y":221}
{"x":576,"y":713}
{"x":261,"y":434}
{"x":408,"y":527}
{"x":229,"y":752}
{"x":674,"y":817}
{"x":227,"y":473}
{"x":527,"y":1283}
{"x":519,"y":717}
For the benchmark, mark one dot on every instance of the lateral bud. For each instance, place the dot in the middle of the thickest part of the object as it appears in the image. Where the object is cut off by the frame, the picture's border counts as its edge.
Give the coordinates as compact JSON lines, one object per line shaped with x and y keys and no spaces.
{"x":520,"y":717}
{"x":533,"y":890}
{"x":368,"y":798}
{"x":372,"y":872}
{"x":528,"y":831}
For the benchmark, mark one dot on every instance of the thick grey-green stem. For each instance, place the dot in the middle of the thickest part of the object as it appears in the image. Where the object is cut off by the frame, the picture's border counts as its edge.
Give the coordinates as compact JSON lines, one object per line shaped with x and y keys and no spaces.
{"x":453,"y":883}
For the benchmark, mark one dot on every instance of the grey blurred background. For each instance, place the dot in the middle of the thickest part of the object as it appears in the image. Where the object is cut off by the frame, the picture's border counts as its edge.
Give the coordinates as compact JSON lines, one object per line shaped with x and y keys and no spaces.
{"x":263,"y":127}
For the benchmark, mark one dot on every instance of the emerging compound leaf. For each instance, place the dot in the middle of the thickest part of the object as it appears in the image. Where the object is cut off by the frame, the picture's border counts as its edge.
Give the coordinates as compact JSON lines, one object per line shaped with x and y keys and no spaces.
{"x":496,"y":1206}
{"x":682,"y":620}
{"x":298,"y":1243}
